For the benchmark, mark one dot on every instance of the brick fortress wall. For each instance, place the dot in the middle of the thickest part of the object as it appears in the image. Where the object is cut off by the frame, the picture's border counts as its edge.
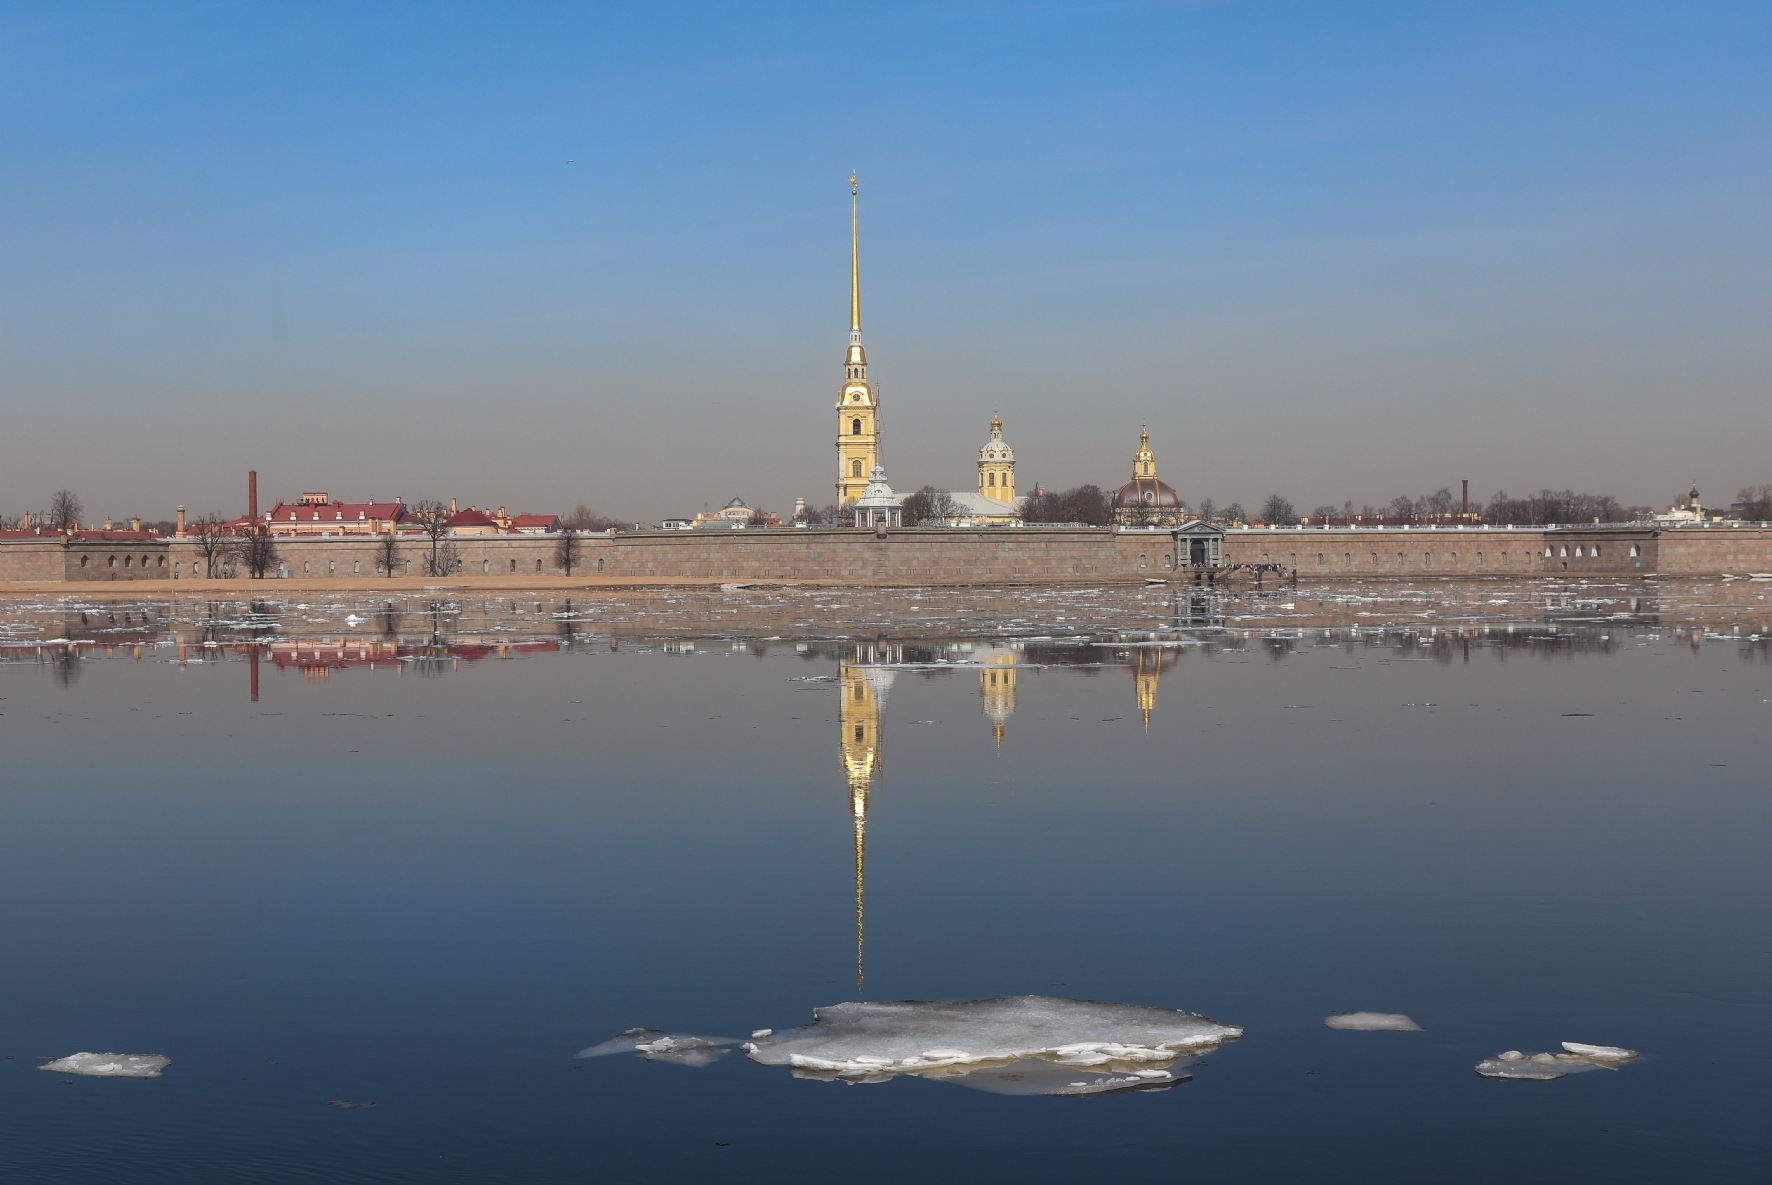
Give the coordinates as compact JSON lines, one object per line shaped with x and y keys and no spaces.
{"x":957,"y":556}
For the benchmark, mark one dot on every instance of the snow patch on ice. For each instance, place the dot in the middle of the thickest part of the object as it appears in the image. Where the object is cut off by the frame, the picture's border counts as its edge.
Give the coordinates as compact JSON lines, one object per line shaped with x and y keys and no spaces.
{"x":1018,"y":1045}
{"x":110,"y":1065}
{"x":1547,"y":1067}
{"x":685,"y":1049}
{"x":1372,"y":1022}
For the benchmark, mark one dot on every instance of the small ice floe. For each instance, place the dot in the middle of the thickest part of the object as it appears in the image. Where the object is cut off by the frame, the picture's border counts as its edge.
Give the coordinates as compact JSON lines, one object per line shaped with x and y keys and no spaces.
{"x":685,"y":1049}
{"x":348,"y":1105}
{"x":1372,"y":1022}
{"x":1020,"y":1045}
{"x":1547,"y":1067}
{"x":110,"y":1065}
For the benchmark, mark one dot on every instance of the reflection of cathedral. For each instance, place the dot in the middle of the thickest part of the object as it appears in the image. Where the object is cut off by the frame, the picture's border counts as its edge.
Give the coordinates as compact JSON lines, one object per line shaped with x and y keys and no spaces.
{"x":1148,"y":664}
{"x":863,"y":686}
{"x":996,"y":692}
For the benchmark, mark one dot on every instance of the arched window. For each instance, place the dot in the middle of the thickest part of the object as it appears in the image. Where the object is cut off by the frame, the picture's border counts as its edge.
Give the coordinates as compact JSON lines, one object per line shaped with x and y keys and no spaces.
{"x":111,"y":562}
{"x":599,"y":565}
{"x":126,"y":560}
{"x":855,"y":426}
{"x":1141,"y":561}
{"x":513,"y":565}
{"x":1594,"y":551}
{"x":990,"y":479}
{"x":84,"y":558}
{"x":1634,"y":550}
{"x":855,"y":467}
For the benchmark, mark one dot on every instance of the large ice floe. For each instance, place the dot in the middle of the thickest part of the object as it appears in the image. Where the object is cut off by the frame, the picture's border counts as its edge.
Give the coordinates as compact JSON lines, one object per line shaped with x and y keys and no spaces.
{"x":1547,"y":1067}
{"x":683,"y":1048}
{"x":110,"y":1065}
{"x":1372,"y":1022}
{"x":1018,"y":1045}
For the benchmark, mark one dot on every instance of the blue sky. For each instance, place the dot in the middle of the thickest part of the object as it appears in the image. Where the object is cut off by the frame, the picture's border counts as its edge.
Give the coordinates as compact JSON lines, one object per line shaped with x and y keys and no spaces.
{"x":1335,"y":251}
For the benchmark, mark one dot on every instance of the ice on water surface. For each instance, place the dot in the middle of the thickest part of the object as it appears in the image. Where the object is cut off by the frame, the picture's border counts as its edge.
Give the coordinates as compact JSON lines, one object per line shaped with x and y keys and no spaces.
{"x":110,"y":1065}
{"x":1547,"y":1067}
{"x":1372,"y":1022}
{"x":1017,"y":1045}
{"x":685,"y":1049}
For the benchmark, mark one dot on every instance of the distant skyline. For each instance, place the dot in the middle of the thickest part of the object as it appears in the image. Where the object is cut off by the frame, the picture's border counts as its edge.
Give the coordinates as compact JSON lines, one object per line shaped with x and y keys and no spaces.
{"x":547,"y":255}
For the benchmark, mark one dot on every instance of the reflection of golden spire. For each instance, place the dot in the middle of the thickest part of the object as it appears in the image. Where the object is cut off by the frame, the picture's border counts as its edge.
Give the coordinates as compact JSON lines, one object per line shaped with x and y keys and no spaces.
{"x":996,"y":693}
{"x":858,"y":743}
{"x":1144,"y":676}
{"x":854,"y":260}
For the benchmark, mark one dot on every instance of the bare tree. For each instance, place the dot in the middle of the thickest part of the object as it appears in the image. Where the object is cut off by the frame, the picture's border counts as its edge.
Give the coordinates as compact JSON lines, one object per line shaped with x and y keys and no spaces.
{"x":1401,"y":509}
{"x":210,"y":536}
{"x":64,"y":510}
{"x":1278,"y":510}
{"x":1439,"y":504}
{"x":256,"y":552}
{"x":586,"y":519}
{"x":1208,"y":508}
{"x":387,"y":549}
{"x":1756,"y":502}
{"x":930,"y":505}
{"x":567,"y":547}
{"x":1234,"y":513}
{"x":1324,"y":513}
{"x":433,"y":517}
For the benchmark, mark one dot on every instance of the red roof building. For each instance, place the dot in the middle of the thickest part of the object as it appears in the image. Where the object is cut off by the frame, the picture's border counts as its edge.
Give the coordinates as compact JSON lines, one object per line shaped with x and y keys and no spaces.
{"x":534,"y":524}
{"x":313,"y":518}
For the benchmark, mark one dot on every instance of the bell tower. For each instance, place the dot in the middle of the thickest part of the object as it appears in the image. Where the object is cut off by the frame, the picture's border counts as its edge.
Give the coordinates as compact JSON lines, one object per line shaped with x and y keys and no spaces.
{"x":858,"y":407}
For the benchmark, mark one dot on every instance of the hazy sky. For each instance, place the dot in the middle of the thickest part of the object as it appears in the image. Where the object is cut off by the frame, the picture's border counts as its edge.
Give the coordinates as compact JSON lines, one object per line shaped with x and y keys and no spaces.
{"x":537,"y":255}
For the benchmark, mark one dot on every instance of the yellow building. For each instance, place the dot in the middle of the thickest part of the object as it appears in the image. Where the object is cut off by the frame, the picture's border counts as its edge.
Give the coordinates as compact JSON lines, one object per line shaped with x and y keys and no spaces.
{"x":858,"y":407}
{"x":996,"y":466}
{"x":863,"y":687}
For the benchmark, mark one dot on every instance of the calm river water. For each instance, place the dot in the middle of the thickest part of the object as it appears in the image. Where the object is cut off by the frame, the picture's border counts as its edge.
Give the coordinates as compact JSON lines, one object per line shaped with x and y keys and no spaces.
{"x":420,"y":853}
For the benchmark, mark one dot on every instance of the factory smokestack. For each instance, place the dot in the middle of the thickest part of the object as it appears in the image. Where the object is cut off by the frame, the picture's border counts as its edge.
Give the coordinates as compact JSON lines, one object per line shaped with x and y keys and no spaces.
{"x":252,"y":495}
{"x":1467,"y":497}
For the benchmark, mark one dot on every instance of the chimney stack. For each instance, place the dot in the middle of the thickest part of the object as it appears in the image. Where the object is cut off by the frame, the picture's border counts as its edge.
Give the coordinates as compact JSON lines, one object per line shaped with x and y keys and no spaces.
{"x":252,"y":494}
{"x":180,"y":533}
{"x":1467,"y":497}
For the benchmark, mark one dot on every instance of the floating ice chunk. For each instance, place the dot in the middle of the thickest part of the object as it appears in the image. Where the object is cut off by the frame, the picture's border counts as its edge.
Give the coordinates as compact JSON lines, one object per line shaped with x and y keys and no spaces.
{"x":110,"y":1065}
{"x":1372,"y":1022}
{"x":756,"y":1033}
{"x":1547,"y":1067}
{"x":1600,"y":1053}
{"x":683,"y":1048}
{"x":1018,"y":1045}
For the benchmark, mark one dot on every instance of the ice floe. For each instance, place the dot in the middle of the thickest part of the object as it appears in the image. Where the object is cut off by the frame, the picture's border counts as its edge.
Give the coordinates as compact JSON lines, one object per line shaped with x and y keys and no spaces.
{"x":1547,"y":1067}
{"x":1372,"y":1022}
{"x":685,"y":1049}
{"x":110,"y":1065}
{"x":1018,"y":1045}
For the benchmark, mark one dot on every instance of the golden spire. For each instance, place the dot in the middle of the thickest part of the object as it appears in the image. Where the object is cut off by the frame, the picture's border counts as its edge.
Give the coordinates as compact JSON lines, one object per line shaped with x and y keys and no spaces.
{"x":996,"y":423}
{"x":854,"y":261}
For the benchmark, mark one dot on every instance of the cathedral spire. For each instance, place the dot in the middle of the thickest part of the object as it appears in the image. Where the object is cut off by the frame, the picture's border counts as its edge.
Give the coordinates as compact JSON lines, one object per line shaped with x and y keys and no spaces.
{"x":854,"y":262}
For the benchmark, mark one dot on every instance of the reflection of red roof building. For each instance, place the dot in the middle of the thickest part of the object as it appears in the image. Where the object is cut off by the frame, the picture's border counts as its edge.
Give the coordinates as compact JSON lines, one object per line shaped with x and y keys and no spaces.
{"x":312,"y":516}
{"x":1145,"y":500}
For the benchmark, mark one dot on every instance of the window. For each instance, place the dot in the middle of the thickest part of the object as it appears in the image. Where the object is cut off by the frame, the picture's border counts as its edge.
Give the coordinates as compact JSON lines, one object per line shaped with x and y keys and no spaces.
{"x":1594,"y":551}
{"x":83,"y":560}
{"x":356,"y":565}
{"x":304,"y":565}
{"x":1548,"y":552}
{"x":1375,"y":559}
{"x":1452,"y":559}
{"x":1635,"y":551}
{"x":1399,"y":559}
{"x":1319,"y":559}
{"x":990,"y":479}
{"x":855,"y":467}
{"x":331,"y":567}
{"x":1347,"y":559}
{"x":485,"y":565}
{"x":513,"y":565}
{"x":111,"y":562}
{"x":538,"y":565}
{"x":599,"y":565}
{"x":126,"y":560}
{"x":855,"y":426}
{"x":1141,"y":562}
{"x":1578,"y":551}
{"x":1565,"y":551}
{"x":1427,"y":559}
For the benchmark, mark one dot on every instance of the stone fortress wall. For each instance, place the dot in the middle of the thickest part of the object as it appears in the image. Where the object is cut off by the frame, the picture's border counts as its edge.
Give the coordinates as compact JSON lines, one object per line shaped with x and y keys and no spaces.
{"x":952,"y":556}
